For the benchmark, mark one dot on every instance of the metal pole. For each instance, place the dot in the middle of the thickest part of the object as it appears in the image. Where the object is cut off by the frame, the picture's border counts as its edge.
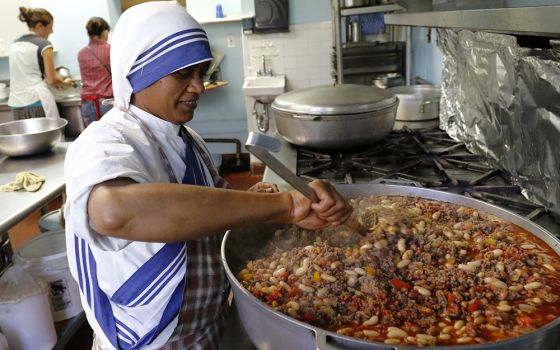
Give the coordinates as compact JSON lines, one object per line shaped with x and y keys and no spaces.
{"x":408,"y":54}
{"x":337,"y":40}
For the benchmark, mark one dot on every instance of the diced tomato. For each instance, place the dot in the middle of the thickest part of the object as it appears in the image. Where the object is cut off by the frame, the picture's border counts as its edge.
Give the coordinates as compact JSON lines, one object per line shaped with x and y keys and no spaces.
{"x":525,"y":320}
{"x":397,"y":283}
{"x":274,"y":296}
{"x":451,"y":297}
{"x":308,"y":317}
{"x":474,"y":305}
{"x":295,"y":292}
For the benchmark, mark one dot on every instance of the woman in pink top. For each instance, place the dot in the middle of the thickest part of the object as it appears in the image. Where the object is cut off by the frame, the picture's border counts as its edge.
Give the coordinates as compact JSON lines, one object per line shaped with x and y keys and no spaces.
{"x":95,"y":69}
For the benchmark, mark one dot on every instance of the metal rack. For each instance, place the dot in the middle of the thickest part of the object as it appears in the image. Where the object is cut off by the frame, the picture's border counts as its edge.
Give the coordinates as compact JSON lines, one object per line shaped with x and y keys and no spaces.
{"x":339,"y":13}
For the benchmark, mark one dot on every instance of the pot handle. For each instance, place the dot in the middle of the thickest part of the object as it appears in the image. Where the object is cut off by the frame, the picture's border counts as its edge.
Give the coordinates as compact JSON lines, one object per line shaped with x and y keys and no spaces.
{"x":307,"y":117}
{"x":423,"y":105}
{"x":322,"y":343}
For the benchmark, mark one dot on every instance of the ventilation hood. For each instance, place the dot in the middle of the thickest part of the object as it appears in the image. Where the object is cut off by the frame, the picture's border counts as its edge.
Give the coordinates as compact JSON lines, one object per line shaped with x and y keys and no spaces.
{"x":526,"y":17}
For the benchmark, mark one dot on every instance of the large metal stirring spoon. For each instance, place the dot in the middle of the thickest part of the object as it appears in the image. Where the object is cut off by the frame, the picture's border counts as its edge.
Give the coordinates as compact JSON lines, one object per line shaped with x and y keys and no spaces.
{"x":261,"y":146}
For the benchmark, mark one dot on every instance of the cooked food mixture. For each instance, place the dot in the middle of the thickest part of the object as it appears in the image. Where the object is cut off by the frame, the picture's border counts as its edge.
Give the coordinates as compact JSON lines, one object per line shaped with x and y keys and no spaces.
{"x":427,"y":273}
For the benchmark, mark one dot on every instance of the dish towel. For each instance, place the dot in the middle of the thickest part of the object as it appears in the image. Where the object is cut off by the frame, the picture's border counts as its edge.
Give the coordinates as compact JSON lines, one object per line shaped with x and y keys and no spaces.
{"x":25,"y":180}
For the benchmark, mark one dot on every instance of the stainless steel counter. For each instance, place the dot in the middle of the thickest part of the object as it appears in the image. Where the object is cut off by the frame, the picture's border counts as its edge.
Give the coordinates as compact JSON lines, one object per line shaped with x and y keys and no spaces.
{"x":17,"y":205}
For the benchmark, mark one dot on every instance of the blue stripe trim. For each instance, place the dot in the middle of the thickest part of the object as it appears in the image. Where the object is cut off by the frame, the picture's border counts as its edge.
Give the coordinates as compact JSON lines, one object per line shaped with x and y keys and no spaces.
{"x":179,"y":57}
{"x":185,"y":40}
{"x":164,"y":283}
{"x":163,"y":279}
{"x":170,"y":47}
{"x":163,"y":41}
{"x":128,"y":329}
{"x":147,"y":273}
{"x":103,"y":312}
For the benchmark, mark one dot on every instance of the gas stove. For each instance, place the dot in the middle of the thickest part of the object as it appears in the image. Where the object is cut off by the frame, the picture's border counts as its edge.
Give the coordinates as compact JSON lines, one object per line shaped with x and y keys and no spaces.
{"x":424,"y":158}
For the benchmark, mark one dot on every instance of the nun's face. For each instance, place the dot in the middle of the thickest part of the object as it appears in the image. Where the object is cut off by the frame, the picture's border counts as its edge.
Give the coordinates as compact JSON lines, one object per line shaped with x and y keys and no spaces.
{"x":173,"y":97}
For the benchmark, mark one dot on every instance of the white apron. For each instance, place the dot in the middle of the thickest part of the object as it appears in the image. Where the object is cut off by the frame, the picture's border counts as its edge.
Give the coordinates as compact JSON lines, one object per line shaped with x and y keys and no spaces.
{"x":47,"y":100}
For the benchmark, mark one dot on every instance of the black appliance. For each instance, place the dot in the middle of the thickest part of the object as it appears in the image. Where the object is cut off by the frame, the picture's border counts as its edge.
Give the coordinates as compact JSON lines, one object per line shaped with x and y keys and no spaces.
{"x":271,"y":16}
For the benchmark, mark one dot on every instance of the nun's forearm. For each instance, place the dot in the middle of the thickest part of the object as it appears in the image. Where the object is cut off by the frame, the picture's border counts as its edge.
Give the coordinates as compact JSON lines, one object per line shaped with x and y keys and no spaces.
{"x":174,"y":212}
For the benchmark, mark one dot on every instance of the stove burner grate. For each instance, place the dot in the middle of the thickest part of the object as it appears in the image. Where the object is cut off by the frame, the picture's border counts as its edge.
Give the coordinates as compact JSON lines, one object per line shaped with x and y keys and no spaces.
{"x":424,"y":158}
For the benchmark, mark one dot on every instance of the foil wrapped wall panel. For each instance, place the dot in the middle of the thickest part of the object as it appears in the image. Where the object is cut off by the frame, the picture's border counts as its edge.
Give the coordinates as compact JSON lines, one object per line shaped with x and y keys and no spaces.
{"x":503,"y":101}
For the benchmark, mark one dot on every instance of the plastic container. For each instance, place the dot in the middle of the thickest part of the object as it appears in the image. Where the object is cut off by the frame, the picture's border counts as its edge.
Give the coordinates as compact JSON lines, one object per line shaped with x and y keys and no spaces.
{"x":25,"y":315}
{"x":51,"y":221}
{"x":44,"y":257}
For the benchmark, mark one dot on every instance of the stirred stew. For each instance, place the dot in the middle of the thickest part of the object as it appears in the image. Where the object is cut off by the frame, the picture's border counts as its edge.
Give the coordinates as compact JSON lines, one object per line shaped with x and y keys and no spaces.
{"x":427,"y":273}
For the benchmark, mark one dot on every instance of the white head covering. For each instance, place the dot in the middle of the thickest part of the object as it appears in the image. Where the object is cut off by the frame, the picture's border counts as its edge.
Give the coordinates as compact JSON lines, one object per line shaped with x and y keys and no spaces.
{"x":150,"y":41}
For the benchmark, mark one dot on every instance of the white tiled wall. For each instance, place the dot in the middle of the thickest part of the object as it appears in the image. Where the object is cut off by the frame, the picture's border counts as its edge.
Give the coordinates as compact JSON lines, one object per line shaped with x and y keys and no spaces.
{"x":303,"y":54}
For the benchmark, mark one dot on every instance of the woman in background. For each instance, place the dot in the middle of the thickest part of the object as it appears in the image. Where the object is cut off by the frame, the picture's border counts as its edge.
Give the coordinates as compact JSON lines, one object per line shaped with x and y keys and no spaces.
{"x":95,"y":68}
{"x":32,"y":68}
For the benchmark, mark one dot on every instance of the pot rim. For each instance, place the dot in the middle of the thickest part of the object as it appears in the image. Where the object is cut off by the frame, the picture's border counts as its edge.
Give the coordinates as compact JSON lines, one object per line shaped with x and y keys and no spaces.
{"x":338,"y":99}
{"x":335,"y":117}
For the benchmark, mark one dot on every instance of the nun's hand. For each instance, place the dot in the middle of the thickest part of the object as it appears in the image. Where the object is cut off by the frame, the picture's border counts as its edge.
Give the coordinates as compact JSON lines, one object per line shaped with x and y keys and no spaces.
{"x":331,"y":209}
{"x":265,"y":187}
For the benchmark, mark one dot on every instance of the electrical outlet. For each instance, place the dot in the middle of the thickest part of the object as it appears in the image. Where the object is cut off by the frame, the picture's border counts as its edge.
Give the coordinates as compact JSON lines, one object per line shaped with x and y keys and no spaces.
{"x":230,"y":41}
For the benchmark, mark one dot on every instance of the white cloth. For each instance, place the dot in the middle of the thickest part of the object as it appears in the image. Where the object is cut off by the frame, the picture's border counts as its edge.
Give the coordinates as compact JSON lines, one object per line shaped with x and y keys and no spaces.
{"x":47,"y":100}
{"x":110,"y":148}
{"x":133,"y":36}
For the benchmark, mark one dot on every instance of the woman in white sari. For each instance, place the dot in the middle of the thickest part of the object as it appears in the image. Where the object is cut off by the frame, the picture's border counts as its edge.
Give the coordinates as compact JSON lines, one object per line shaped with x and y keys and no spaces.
{"x":146,"y":208}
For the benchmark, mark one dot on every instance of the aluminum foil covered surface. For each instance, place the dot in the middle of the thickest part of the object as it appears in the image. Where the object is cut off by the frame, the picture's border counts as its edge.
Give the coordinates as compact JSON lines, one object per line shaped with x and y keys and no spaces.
{"x":503,"y":101}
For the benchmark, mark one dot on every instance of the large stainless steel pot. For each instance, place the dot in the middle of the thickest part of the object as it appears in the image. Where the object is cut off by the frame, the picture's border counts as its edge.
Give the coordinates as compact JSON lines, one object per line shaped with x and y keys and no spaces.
{"x":270,"y":329}
{"x":335,"y":116}
{"x":418,"y":107}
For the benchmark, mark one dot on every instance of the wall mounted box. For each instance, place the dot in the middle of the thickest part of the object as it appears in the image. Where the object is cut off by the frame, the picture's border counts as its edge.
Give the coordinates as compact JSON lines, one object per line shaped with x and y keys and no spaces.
{"x":271,"y":16}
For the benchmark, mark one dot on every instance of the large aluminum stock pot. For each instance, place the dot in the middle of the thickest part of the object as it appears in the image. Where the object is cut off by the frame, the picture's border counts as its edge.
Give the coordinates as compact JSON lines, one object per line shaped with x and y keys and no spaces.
{"x":335,"y":116}
{"x":270,"y":329}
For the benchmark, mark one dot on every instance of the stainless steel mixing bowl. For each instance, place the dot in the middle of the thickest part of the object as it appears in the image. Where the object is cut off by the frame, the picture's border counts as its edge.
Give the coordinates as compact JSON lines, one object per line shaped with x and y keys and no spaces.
{"x":30,"y":136}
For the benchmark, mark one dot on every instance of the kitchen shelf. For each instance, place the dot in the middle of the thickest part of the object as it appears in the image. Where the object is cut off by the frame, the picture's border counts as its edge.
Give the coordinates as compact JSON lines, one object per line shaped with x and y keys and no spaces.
{"x":370,"y":9}
{"x":342,"y":15}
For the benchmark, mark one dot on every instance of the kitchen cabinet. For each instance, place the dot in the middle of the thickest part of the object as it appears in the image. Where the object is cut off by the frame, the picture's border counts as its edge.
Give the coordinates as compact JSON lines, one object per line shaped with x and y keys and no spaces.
{"x":388,"y":57}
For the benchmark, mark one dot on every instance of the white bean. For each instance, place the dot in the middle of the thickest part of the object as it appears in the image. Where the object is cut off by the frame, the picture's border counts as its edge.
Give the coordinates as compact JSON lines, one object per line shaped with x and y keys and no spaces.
{"x":464,"y":340}
{"x":360,"y":271}
{"x":503,"y":307}
{"x":328,"y":278}
{"x":436,"y":215}
{"x":395,"y":332}
{"x":423,"y":291}
{"x":549,"y":267}
{"x":497,"y":252}
{"x":458,"y":324}
{"x":301,"y":270}
{"x":366,"y":246}
{"x":532,"y":285}
{"x":401,"y":245}
{"x":528,"y":246}
{"x":278,"y":272}
{"x":403,"y":263}
{"x":370,"y":333}
{"x":305,"y":288}
{"x":293,"y":305}
{"x":373,"y":320}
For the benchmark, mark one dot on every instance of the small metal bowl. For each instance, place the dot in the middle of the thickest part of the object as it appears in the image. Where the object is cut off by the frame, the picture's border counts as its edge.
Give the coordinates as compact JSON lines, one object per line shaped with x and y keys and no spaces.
{"x":30,"y":136}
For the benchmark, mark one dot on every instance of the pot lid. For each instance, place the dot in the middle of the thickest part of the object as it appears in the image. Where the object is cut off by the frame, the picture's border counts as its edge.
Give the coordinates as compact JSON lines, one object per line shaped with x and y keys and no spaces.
{"x":334,"y":100}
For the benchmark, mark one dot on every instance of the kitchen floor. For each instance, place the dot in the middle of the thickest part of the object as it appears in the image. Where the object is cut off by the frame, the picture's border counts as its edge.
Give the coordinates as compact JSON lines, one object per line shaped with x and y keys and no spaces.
{"x":28,"y":228}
